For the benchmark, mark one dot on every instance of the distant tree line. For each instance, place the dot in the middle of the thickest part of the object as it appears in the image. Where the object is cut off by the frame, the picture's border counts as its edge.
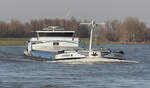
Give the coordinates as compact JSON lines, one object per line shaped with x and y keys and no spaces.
{"x":16,"y":28}
{"x":129,"y":30}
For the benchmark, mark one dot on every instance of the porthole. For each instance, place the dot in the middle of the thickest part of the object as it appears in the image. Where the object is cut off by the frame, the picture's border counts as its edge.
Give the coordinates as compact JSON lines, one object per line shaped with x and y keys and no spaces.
{"x":55,"y":43}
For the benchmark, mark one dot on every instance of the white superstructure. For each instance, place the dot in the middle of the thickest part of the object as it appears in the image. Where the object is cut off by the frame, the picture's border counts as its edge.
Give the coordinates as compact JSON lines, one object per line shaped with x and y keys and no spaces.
{"x":58,"y":44}
{"x":54,"y":40}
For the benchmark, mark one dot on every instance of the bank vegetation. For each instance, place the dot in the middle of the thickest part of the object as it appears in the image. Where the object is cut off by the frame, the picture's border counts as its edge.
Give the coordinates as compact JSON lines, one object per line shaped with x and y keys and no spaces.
{"x":130,"y":30}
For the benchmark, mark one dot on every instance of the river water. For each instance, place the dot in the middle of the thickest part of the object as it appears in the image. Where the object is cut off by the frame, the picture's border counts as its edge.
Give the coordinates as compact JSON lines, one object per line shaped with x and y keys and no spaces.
{"x":18,"y":71}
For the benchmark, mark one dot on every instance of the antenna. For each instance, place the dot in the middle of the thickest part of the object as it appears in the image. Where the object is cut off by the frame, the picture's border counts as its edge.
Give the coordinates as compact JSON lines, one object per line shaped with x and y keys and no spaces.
{"x":53,"y":28}
{"x":67,"y":13}
{"x":92,"y":26}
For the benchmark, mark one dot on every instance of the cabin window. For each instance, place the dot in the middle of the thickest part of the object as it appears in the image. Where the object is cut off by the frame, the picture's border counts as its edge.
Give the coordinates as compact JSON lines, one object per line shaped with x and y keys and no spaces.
{"x":56,"y":34}
{"x":55,"y":43}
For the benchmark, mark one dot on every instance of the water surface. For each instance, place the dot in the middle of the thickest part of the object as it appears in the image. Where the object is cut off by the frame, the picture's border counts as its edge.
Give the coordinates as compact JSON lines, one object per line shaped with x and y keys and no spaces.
{"x":18,"y":71}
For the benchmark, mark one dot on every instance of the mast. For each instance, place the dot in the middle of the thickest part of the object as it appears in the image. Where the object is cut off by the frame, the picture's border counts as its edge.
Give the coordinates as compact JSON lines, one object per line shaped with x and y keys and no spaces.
{"x":92,"y":26}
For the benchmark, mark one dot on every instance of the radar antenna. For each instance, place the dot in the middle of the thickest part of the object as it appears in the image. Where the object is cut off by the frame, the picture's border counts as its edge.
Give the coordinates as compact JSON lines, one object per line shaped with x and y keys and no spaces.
{"x":53,"y":28}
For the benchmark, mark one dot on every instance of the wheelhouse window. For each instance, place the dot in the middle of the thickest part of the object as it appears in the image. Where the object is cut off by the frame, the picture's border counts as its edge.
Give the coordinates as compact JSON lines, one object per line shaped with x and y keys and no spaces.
{"x":56,"y":34}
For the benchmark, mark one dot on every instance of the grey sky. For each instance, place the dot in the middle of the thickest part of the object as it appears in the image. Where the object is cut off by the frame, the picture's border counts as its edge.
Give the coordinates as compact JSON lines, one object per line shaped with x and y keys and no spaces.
{"x":100,"y":10}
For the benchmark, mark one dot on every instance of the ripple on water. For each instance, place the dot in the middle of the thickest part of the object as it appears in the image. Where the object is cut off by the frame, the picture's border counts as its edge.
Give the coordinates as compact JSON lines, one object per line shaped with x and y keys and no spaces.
{"x":17,"y":71}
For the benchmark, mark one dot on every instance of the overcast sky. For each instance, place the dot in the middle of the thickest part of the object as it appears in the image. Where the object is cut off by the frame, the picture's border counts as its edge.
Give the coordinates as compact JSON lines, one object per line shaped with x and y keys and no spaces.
{"x":100,"y":10}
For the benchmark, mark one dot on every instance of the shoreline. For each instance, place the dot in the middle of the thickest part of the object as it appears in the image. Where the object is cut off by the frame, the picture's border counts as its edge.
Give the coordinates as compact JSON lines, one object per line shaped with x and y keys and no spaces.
{"x":23,"y":41}
{"x":13,"y":41}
